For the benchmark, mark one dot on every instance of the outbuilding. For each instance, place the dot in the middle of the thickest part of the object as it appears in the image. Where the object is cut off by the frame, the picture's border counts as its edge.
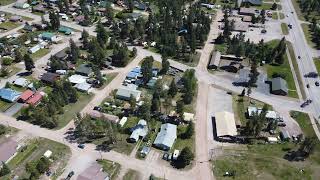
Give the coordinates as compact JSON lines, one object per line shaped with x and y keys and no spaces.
{"x":21,"y":82}
{"x":225,"y":126}
{"x":21,"y":5}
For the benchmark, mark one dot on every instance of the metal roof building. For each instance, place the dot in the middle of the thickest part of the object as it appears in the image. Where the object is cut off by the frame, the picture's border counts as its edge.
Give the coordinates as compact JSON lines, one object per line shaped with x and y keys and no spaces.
{"x":225,"y":124}
{"x":125,"y":92}
{"x":166,"y":136}
{"x":9,"y":94}
{"x":140,"y":130}
{"x":279,"y":86}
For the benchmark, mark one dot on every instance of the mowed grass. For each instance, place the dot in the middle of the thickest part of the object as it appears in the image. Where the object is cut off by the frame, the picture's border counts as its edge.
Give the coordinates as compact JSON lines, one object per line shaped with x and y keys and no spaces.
{"x":9,"y":25}
{"x":132,"y":175}
{"x":308,"y":34}
{"x":275,"y":16}
{"x":296,"y":69}
{"x":317,"y":63}
{"x":284,"y":69}
{"x":284,"y":28}
{"x":6,"y":2}
{"x":39,"y":54}
{"x":72,"y":109}
{"x":281,"y":16}
{"x":110,"y":167}
{"x":297,"y":9}
{"x":34,"y":150}
{"x":4,"y":105}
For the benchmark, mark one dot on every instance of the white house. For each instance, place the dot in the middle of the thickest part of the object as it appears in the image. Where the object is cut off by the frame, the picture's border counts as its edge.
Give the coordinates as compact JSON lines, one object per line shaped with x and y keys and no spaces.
{"x":139,"y":131}
{"x":166,"y":137}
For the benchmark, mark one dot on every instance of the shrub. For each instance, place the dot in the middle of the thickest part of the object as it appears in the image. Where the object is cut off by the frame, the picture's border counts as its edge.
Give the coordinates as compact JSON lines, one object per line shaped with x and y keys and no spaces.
{"x":7,"y":61}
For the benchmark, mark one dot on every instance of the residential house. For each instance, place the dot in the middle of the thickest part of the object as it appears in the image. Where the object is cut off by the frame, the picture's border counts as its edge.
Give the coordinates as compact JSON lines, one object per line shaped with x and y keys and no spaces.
{"x":25,"y":96}
{"x":47,"y":36}
{"x":139,"y":131}
{"x":35,"y":99}
{"x":28,"y":28}
{"x":61,"y":55}
{"x":21,"y":82}
{"x":9,"y":95}
{"x":65,"y":30}
{"x":79,"y":19}
{"x":241,"y":26}
{"x":21,"y":5}
{"x":39,"y":8}
{"x":83,"y":87}
{"x":84,"y":70}
{"x":77,"y":79}
{"x":225,"y":126}
{"x":15,"y":18}
{"x":49,"y":77}
{"x":125,"y":92}
{"x":279,"y":86}
{"x":166,"y":137}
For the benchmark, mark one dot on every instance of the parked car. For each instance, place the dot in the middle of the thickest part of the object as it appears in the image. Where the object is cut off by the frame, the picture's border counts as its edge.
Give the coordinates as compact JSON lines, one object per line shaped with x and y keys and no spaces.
{"x":97,"y":108}
{"x":311,"y":75}
{"x":282,"y":124}
{"x":70,"y":174}
{"x":81,"y":146}
{"x":308,"y":86}
{"x":165,"y":156}
{"x":316,"y":83}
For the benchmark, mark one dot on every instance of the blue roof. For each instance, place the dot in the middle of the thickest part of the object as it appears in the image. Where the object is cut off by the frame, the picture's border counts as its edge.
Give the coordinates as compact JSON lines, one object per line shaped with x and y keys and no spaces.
{"x":136,"y":69}
{"x":9,"y":94}
{"x":132,"y":75}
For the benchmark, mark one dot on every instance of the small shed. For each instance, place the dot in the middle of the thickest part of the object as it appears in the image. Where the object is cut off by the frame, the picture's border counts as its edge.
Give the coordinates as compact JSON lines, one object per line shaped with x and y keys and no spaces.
{"x":175,"y":154}
{"x":214,"y":60}
{"x":47,"y":154}
{"x":123,"y":121}
{"x":21,"y":5}
{"x":15,"y":18}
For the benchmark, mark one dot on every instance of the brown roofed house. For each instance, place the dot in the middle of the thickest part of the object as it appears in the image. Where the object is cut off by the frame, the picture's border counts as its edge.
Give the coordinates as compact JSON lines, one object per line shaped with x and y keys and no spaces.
{"x":49,"y":77}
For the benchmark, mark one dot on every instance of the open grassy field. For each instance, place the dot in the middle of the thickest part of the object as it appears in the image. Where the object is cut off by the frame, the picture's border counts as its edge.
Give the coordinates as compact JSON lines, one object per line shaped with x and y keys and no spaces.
{"x":182,"y":143}
{"x":275,"y":16}
{"x":9,"y":25}
{"x":297,"y":9}
{"x":110,"y":167}
{"x":132,"y":175}
{"x":72,"y":109}
{"x":39,"y":54}
{"x":6,"y":2}
{"x":281,"y":16}
{"x":4,"y":105}
{"x":284,"y":28}
{"x":34,"y":150}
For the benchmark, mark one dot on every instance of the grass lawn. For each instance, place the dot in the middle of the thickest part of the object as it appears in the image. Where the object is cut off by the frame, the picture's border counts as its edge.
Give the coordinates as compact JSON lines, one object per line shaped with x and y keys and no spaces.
{"x":286,"y":70}
{"x":281,"y":16}
{"x":182,"y":143}
{"x":265,"y":6}
{"x":131,"y":175}
{"x":284,"y":28}
{"x":109,"y":77}
{"x":308,"y":34}
{"x":39,"y":54}
{"x":71,"y":110}
{"x":6,"y":2}
{"x":9,"y":25}
{"x":221,"y":47}
{"x":34,"y":150}
{"x":110,"y":167}
{"x":4,"y":105}
{"x":296,"y":69}
{"x":317,"y":63}
{"x":194,"y":60}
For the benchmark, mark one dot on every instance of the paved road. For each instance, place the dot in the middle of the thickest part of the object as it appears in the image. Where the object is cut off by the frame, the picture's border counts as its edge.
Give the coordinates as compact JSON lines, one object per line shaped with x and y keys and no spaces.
{"x":306,"y":64}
